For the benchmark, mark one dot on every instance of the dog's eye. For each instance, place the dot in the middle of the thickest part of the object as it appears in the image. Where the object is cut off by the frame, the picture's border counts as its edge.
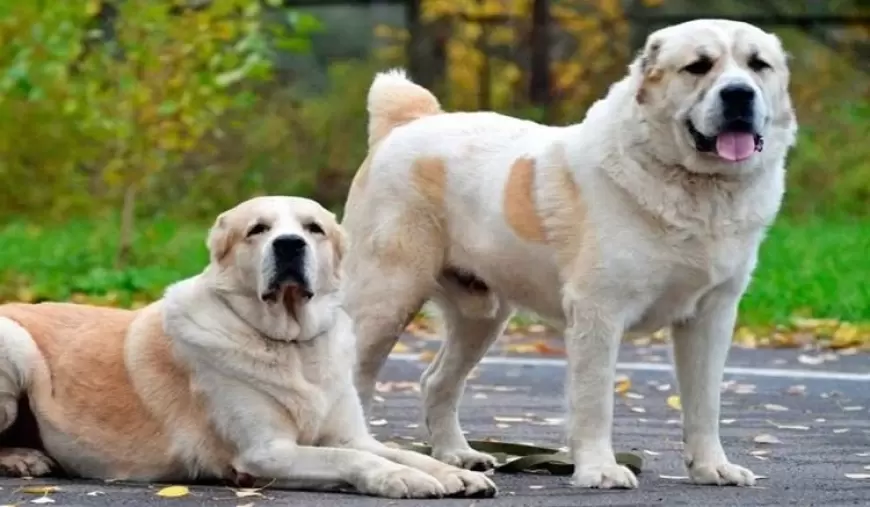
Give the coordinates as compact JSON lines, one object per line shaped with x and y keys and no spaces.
{"x":699,"y":67}
{"x":757,"y":64}
{"x":258,"y":228}
{"x":313,"y":228}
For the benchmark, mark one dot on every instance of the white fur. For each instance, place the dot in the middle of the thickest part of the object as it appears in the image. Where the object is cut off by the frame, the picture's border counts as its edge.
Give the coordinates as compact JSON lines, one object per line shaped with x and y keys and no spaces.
{"x":669,"y":239}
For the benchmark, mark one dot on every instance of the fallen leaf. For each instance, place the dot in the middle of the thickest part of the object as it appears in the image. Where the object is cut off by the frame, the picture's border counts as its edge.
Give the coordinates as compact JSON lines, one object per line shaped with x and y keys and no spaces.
{"x":673,"y":477}
{"x":853,"y":408}
{"x":773,"y":407}
{"x":820,"y":420}
{"x":378,"y":422}
{"x":759,"y":452}
{"x":174,"y":491}
{"x":788,"y":426}
{"x":674,"y":402}
{"x":863,"y":454}
{"x":246,"y":505}
{"x":480,"y":396}
{"x":400,"y":348}
{"x":841,"y":430}
{"x":505,"y":419}
{"x":858,"y":476}
{"x":535,"y":486}
{"x":502,"y":425}
{"x":639,"y":410}
{"x":96,"y":493}
{"x":39,"y":490}
{"x":728,"y":421}
{"x":766,"y":438}
{"x":664,"y":387}
{"x":650,"y":453}
{"x":43,"y":499}
{"x":623,"y":384}
{"x":427,"y":356}
{"x":633,"y":396}
{"x":811,"y":360}
{"x":247,"y":492}
{"x":797,"y":389}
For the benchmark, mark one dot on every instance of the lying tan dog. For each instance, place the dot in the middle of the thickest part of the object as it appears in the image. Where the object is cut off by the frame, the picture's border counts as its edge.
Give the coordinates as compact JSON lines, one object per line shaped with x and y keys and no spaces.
{"x":242,"y":370}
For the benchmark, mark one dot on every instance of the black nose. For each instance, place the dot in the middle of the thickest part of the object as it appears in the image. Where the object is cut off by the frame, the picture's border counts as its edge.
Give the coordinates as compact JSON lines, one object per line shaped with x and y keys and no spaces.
{"x":737,"y":102}
{"x":288,"y":246}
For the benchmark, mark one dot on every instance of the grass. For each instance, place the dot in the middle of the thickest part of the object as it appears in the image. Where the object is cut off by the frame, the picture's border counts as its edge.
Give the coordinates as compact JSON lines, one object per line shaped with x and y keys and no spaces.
{"x":819,"y":269}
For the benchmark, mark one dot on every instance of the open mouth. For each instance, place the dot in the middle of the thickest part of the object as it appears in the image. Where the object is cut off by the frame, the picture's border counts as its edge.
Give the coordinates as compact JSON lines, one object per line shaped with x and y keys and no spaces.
{"x":289,"y":294}
{"x":735,"y":143}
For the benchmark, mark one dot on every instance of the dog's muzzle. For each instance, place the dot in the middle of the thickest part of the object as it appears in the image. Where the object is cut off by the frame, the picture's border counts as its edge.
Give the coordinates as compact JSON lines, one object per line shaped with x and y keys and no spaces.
{"x":737,"y":138}
{"x":289,"y":278}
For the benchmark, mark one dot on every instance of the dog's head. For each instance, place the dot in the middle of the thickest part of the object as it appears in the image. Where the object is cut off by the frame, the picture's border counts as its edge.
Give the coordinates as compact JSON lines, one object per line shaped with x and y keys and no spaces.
{"x":281,"y":250}
{"x":716,"y":90}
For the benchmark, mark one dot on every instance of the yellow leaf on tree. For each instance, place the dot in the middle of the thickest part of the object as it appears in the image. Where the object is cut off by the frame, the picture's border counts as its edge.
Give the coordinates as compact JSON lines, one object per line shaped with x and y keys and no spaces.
{"x":674,"y":402}
{"x":174,"y":491}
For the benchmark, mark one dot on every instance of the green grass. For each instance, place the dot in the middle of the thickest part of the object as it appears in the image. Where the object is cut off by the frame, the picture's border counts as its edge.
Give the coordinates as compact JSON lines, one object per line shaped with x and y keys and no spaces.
{"x":819,"y":269}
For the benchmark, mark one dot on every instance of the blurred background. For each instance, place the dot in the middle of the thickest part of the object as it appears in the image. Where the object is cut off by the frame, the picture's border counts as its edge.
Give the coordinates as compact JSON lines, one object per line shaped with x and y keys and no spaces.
{"x":127,"y":125}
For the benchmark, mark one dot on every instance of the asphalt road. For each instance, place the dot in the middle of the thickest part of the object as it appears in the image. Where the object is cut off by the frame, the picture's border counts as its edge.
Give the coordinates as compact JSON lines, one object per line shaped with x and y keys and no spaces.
{"x":825,"y":406}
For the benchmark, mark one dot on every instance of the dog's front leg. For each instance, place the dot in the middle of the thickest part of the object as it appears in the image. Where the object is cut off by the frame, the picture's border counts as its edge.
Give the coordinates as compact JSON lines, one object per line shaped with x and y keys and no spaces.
{"x":592,"y":342}
{"x":284,"y":460}
{"x":700,"y":349}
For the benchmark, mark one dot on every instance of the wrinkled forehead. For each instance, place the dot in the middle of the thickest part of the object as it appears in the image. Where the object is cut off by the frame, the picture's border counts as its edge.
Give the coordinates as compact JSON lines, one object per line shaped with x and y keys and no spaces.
{"x":274,"y":211}
{"x":682,"y":44}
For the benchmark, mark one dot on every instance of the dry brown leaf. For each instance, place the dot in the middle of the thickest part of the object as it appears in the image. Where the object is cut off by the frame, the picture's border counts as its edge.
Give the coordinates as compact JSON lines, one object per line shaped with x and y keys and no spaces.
{"x":766,"y":438}
{"x":173,"y":491}
{"x":674,"y":402}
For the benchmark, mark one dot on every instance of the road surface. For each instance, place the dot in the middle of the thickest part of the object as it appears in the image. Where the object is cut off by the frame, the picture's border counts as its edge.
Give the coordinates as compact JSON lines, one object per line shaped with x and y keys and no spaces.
{"x":820,"y":414}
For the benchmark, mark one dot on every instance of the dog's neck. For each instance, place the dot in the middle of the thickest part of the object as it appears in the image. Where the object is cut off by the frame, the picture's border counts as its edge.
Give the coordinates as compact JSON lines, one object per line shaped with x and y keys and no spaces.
{"x":306,"y":321}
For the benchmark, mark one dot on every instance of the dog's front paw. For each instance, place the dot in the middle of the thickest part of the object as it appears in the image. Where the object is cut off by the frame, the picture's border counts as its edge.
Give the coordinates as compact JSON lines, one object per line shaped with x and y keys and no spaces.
{"x":21,"y":462}
{"x":468,"y":459}
{"x":458,"y":481}
{"x":402,"y":482}
{"x":721,"y":474}
{"x":608,"y":476}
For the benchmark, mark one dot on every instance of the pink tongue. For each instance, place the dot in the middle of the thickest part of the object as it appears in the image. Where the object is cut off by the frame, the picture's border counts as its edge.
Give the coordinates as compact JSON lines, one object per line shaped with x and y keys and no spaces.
{"x":735,"y":146}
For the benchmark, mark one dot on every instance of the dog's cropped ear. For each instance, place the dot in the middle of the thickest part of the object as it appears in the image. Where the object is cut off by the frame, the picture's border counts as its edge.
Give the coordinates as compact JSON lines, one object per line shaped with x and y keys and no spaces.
{"x":645,"y":65}
{"x":220,"y":239}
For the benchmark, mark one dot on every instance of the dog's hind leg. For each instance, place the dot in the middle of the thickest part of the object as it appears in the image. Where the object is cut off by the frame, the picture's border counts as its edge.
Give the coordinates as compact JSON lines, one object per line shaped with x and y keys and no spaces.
{"x":466,"y":340}
{"x":17,"y":353}
{"x":383,"y":289}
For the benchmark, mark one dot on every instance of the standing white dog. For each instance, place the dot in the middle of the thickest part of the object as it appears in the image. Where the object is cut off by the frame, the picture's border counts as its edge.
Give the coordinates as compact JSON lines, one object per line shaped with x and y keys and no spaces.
{"x":648,"y":214}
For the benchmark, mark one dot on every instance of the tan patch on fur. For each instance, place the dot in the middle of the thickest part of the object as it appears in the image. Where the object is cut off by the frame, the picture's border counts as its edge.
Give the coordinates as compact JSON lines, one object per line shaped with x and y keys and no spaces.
{"x":650,"y":79}
{"x":429,"y":177}
{"x":566,"y":218}
{"x":86,"y":390}
{"x":520,"y":211}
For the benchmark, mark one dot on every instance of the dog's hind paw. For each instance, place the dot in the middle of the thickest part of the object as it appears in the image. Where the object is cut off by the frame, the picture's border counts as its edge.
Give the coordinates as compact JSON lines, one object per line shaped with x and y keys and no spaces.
{"x":22,"y":462}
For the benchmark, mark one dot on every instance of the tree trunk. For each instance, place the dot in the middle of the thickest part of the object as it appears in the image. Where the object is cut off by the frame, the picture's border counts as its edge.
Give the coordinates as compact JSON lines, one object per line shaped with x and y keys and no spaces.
{"x":539,"y":79}
{"x":128,"y":217}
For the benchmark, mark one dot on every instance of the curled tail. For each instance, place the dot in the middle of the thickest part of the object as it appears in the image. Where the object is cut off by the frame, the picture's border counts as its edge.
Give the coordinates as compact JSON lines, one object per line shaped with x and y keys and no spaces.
{"x":395,"y":100}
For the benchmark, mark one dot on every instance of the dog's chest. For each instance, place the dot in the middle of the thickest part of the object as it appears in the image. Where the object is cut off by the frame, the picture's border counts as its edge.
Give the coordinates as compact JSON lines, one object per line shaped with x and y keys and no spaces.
{"x":684,"y":273}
